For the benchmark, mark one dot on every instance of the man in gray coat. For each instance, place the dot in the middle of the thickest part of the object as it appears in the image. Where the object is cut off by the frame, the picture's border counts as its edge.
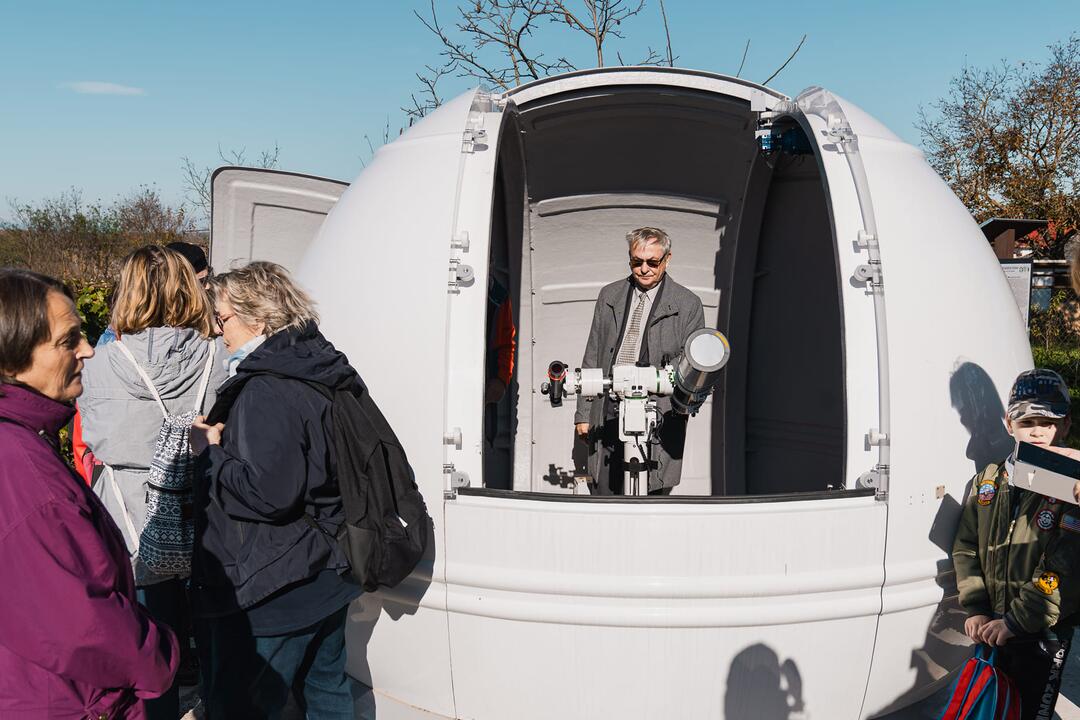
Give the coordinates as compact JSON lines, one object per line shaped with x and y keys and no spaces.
{"x":645,"y":318}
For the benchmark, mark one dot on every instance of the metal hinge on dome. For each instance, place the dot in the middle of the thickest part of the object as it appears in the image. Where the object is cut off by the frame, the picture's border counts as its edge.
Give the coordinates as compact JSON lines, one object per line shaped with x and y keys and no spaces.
{"x":457,"y":480}
{"x":474,"y":140}
{"x":461,"y":275}
{"x":876,"y":478}
{"x":838,"y":130}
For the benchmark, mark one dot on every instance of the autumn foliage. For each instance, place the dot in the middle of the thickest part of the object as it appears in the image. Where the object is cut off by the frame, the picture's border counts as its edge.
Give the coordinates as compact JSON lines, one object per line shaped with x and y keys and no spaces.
{"x":1007,"y":140}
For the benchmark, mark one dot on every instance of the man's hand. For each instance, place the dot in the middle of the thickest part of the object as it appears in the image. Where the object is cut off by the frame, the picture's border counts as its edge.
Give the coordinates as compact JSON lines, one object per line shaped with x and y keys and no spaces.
{"x":996,"y":632}
{"x":973,"y":627}
{"x":582,"y":430}
{"x":203,"y":435}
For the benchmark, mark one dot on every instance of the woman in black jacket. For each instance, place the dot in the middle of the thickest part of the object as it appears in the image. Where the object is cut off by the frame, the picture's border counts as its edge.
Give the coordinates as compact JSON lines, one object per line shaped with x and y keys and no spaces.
{"x":270,"y":589}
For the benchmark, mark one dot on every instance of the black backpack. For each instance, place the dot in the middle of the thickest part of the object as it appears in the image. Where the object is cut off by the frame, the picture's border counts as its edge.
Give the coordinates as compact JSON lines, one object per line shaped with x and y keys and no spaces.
{"x":387,"y":525}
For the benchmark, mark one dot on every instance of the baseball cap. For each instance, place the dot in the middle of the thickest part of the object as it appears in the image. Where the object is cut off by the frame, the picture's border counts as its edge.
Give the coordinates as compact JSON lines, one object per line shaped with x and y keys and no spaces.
{"x":1038,"y":393}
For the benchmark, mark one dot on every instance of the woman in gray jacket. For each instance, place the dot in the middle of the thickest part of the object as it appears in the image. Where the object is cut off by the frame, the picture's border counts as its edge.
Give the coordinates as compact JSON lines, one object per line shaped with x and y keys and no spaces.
{"x":164,"y":365}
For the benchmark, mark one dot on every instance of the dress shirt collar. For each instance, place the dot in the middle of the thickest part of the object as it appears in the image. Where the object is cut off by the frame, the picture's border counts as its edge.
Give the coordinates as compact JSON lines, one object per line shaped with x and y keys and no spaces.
{"x":650,"y":293}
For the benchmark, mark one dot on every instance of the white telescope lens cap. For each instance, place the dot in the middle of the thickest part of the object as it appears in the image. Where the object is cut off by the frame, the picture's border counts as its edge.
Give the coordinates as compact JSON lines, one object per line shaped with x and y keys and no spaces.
{"x":707,"y":349}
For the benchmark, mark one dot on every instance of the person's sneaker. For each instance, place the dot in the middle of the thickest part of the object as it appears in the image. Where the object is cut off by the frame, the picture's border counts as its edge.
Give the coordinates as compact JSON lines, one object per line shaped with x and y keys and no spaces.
{"x":196,"y":713}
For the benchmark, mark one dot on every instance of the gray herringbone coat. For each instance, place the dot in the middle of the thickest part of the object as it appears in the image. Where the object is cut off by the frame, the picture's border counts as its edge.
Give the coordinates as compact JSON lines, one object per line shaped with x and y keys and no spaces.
{"x":676,"y":314}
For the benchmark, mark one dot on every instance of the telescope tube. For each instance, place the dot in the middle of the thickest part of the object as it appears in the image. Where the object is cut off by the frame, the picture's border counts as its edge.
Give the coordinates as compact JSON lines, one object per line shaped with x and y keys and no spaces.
{"x":704,"y":355}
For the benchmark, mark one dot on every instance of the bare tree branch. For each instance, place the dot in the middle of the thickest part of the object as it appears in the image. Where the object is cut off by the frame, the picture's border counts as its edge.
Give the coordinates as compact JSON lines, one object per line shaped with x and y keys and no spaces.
{"x":667,"y":34}
{"x":429,"y":96}
{"x":604,"y":19}
{"x":490,"y":43}
{"x":743,"y":61}
{"x":196,"y":180}
{"x":790,"y":58}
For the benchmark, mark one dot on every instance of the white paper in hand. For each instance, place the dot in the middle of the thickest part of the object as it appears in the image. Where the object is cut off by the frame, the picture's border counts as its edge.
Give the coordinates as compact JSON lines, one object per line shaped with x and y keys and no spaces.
{"x":1045,"y":472}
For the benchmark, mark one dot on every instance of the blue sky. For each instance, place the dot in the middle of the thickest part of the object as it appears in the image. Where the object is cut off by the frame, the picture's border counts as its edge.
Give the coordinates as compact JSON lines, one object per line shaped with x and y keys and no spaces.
{"x":108,"y":96}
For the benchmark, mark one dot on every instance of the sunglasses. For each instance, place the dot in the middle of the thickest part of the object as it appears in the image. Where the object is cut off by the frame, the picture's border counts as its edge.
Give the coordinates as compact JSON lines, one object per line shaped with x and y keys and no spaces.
{"x":653,"y":263}
{"x":222,"y":320}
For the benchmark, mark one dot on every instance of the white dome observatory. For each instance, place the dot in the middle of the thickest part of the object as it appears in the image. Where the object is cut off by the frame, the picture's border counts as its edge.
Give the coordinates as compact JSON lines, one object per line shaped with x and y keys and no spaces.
{"x":801,"y":567}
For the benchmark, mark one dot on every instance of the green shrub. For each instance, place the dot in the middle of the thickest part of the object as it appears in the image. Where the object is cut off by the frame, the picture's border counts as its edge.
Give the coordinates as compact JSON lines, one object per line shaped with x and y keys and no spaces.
{"x":1066,"y":362}
{"x":92,"y":303}
{"x":1054,"y":327}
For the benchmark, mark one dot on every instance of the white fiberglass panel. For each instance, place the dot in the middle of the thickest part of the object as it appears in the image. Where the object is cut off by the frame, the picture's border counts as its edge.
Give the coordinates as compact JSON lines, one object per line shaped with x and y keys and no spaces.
{"x":271,"y":215}
{"x":568,"y":609}
{"x":468,"y":303}
{"x":379,"y":272}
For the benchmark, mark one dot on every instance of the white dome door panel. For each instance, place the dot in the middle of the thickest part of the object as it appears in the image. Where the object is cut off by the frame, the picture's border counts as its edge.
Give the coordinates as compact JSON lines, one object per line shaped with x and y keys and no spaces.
{"x":399,"y":274}
{"x":947,"y":352}
{"x":258,"y":214}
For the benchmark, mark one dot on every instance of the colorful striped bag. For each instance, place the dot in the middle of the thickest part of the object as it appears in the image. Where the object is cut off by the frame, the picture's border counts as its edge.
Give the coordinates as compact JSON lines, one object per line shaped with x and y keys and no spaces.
{"x":982,"y":691}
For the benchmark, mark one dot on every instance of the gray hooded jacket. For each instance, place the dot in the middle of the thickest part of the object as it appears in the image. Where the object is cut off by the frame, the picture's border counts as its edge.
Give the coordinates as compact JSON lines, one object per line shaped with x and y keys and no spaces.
{"x":121,"y":419}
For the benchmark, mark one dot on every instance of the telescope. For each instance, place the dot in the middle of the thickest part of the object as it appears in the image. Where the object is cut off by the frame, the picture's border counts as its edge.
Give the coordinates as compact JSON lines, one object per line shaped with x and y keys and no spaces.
{"x":688,"y":381}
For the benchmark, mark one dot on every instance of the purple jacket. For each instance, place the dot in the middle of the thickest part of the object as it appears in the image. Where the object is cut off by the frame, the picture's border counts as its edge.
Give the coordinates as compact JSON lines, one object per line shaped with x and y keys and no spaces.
{"x":74,"y":644}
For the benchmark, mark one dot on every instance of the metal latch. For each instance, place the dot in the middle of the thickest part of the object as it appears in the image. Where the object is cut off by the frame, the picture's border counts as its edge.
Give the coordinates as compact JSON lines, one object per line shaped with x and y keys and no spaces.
{"x":461,"y":275}
{"x":878,"y":479}
{"x":457,"y":480}
{"x":460,"y":241}
{"x":473,"y":140}
{"x":869,"y":479}
{"x":838,"y":130}
{"x":453,"y":438}
{"x":868,"y":273}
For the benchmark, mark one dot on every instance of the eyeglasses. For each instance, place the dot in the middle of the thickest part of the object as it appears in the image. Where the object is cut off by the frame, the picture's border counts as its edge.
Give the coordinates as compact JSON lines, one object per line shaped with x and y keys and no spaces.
{"x":222,"y":320}
{"x":652,"y":262}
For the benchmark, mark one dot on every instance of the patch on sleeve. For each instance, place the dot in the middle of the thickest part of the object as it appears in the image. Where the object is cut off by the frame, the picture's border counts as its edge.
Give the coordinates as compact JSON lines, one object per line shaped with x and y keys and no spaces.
{"x":1070,"y":523}
{"x":1045,"y":519}
{"x":1047,"y":583}
{"x":987,"y":490}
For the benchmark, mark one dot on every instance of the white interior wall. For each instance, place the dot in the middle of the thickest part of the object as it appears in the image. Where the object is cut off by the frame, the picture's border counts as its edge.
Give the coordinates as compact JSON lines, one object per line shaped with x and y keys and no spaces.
{"x":578,"y":247}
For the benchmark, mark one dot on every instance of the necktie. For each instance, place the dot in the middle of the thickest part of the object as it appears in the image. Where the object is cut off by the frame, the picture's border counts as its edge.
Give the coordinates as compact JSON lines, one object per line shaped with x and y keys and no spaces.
{"x":628,"y":353}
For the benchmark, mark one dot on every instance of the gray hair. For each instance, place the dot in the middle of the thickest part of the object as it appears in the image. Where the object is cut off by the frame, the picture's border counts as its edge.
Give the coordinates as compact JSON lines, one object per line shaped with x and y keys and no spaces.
{"x":262,"y":293}
{"x":643,"y":235}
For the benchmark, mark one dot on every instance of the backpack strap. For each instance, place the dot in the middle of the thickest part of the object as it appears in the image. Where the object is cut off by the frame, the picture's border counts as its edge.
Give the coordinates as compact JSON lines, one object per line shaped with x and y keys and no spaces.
{"x":204,"y":382}
{"x":119,"y":497}
{"x":145,"y":378}
{"x":201,"y":395}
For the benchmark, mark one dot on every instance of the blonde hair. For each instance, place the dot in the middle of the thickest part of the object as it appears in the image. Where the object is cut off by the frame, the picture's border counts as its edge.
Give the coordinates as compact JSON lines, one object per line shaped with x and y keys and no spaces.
{"x":158,"y":288}
{"x":262,"y":293}
{"x":643,"y":235}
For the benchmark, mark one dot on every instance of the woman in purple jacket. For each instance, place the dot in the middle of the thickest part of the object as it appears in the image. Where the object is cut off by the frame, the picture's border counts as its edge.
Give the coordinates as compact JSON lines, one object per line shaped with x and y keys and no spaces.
{"x":74,"y":644}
